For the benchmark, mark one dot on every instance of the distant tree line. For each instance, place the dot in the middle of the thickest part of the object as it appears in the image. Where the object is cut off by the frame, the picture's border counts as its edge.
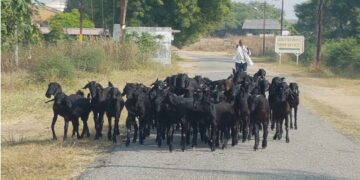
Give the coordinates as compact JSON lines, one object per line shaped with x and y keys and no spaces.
{"x":192,"y":18}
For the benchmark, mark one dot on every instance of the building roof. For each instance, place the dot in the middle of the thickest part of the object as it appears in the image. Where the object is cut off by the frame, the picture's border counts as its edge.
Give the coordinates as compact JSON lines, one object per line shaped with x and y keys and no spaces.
{"x":76,"y":31}
{"x":256,"y":24}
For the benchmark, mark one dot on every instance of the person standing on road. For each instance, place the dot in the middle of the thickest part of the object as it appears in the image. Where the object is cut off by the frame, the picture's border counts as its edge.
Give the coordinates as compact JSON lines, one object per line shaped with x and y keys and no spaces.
{"x":242,"y":57}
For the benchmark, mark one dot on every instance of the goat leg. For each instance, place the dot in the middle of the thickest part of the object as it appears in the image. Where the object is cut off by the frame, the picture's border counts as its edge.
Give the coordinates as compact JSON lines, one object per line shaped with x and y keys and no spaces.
{"x":110,"y":128}
{"x":245,"y":128}
{"x":287,"y":129}
{"x":116,"y":129}
{"x":281,"y":129}
{"x":213,"y":137}
{"x":295,"y":116}
{"x":272,"y":120}
{"x":136,"y":128}
{"x":183,"y":134}
{"x":257,"y":139}
{"x":128,"y":124}
{"x":66,"y":128}
{"x":141,"y":130}
{"x":195,"y":133}
{"x":291,"y":121}
{"x":53,"y":126}
{"x":226,"y":138}
{"x":76,"y":127}
{"x":277,"y":131}
{"x":265,"y":135}
{"x":101,"y":123}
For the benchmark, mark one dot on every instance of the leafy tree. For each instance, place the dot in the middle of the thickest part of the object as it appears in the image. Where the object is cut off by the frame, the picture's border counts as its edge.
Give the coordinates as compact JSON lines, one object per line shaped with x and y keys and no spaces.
{"x":66,"y":20}
{"x":16,"y":24}
{"x":192,"y":17}
{"x":341,"y":19}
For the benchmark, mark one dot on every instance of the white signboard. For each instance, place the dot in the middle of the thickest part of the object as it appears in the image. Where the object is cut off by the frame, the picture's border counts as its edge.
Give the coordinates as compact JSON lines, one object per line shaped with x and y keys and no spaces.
{"x":289,"y":44}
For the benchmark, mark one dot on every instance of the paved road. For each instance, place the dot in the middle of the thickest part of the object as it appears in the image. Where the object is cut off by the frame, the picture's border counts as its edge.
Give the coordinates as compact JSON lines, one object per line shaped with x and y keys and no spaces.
{"x":315,"y":151}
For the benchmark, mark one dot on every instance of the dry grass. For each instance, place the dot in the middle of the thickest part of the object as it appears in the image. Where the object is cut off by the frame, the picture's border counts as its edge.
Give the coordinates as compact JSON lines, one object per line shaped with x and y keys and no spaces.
{"x":228,"y":44}
{"x":335,"y":99}
{"x":344,"y":123}
{"x":27,"y":151}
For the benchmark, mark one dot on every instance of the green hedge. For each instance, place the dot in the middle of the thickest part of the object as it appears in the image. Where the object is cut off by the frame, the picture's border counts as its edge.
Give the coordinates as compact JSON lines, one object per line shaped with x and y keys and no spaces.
{"x":343,"y":56}
{"x":56,"y":67}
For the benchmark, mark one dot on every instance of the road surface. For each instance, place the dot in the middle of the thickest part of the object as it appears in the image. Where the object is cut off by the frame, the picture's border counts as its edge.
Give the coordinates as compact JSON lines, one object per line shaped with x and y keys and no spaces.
{"x":316,"y":150}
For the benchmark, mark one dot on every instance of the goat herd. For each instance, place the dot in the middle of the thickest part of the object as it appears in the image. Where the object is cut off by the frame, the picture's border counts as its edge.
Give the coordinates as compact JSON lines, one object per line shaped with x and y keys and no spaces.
{"x":217,"y":110}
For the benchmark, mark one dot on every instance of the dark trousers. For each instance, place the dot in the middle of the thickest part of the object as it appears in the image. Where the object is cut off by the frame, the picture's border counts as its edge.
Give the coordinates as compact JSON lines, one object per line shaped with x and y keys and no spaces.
{"x":241,"y":66}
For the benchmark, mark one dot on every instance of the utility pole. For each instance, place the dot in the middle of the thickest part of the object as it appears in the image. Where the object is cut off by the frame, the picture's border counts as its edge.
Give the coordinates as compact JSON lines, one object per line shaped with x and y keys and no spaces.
{"x":81,"y":9}
{"x":282,"y":17}
{"x":123,"y":8}
{"x":319,"y":34}
{"x":264,"y":22}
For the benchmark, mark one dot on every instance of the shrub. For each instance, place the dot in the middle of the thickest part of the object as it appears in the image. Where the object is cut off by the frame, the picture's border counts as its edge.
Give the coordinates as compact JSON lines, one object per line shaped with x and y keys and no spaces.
{"x":56,"y":67}
{"x":343,"y":56}
{"x":309,"y":53}
{"x":87,"y":57}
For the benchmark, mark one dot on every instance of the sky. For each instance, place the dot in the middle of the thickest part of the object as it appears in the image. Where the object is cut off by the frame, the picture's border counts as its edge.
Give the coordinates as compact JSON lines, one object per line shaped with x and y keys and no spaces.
{"x":288,"y":5}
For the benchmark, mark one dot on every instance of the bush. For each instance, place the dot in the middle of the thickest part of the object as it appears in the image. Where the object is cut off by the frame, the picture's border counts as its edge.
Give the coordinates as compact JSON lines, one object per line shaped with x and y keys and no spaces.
{"x":343,"y":56}
{"x":87,"y":57}
{"x":309,"y":53}
{"x":56,"y":67}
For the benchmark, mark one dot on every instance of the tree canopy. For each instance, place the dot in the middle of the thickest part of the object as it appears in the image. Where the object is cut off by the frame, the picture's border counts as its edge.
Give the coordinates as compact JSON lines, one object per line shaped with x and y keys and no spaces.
{"x":16,"y":24}
{"x":66,"y":20}
{"x":193,"y":18}
{"x":341,"y":18}
{"x":70,"y":19}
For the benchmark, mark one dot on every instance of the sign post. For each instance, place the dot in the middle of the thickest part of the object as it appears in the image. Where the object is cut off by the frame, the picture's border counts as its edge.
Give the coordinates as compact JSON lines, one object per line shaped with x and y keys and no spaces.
{"x":289,"y":44}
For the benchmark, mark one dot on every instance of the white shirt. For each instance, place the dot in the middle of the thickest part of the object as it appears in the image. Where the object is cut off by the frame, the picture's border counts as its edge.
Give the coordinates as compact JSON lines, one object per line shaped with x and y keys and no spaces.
{"x":239,"y":54}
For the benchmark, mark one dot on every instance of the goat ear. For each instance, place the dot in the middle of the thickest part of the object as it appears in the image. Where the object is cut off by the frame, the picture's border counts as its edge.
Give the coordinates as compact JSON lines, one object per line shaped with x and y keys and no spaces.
{"x":110,"y":84}
{"x":86,"y":86}
{"x":233,"y":71}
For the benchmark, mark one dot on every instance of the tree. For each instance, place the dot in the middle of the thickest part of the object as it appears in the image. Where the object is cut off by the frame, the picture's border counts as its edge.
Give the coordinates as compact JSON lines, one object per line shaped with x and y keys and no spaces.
{"x":16,"y":24}
{"x":192,"y":18}
{"x":340,"y":18}
{"x":66,"y":20}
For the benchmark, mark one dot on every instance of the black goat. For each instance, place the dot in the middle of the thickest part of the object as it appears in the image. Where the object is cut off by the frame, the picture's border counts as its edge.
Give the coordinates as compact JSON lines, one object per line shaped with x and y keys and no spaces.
{"x":275,"y":82}
{"x":294,"y":101}
{"x":132,"y":90}
{"x":114,"y":107}
{"x":70,"y":108}
{"x":242,"y":110}
{"x":220,"y":117}
{"x":261,"y":73}
{"x":99,"y":102}
{"x":259,"y":117}
{"x":281,"y":110}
